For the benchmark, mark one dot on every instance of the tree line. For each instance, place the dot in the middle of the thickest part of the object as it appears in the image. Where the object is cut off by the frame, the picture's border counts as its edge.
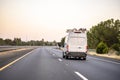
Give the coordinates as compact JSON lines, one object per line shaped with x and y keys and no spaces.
{"x":105,"y":33}
{"x":61,"y":43}
{"x":19,"y":42}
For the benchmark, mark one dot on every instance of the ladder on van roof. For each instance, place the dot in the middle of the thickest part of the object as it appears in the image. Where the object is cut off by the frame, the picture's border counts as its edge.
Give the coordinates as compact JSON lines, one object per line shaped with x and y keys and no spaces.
{"x":81,"y":30}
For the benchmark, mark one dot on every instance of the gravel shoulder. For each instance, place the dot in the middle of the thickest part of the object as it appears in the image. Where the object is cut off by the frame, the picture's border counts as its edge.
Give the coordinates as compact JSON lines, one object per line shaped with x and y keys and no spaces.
{"x":109,"y":55}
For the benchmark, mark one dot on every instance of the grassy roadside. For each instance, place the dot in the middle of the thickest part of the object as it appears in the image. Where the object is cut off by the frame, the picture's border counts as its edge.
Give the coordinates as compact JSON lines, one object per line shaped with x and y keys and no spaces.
{"x":111,"y":54}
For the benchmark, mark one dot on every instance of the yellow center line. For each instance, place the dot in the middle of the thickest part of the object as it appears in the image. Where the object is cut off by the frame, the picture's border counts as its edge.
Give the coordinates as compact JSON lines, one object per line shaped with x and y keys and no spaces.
{"x":13,"y":61}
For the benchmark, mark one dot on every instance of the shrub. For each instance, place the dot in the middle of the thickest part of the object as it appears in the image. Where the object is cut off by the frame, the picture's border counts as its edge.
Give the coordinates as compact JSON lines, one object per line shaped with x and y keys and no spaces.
{"x":102,"y":48}
{"x":116,"y":47}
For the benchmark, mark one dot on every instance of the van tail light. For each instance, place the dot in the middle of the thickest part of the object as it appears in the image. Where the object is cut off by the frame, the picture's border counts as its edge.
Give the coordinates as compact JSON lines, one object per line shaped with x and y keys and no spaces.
{"x":67,"y":48}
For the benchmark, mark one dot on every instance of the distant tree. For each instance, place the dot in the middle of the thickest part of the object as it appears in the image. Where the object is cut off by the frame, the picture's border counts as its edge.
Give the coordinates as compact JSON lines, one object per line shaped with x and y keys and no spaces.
{"x":59,"y":44}
{"x":2,"y":41}
{"x":62,"y":42}
{"x":32,"y":43}
{"x":8,"y":41}
{"x":46,"y":43}
{"x":17,"y":41}
{"x":54,"y":43}
{"x":42,"y":42}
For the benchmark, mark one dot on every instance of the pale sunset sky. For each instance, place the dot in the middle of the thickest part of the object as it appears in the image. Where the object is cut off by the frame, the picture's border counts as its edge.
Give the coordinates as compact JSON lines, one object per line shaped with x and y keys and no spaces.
{"x":49,"y":19}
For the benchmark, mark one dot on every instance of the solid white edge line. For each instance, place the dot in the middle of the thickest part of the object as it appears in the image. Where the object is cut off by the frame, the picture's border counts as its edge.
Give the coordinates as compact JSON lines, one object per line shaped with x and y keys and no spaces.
{"x":80,"y":75}
{"x":9,"y":64}
{"x":60,"y":59}
{"x":105,"y":60}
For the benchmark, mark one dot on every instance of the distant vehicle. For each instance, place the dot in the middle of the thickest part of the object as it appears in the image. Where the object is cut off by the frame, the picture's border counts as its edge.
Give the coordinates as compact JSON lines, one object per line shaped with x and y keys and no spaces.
{"x":75,"y":44}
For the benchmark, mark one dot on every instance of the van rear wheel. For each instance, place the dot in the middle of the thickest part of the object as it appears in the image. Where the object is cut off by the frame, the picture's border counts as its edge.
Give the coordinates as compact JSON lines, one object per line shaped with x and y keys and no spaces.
{"x":79,"y":58}
{"x":84,"y":58}
{"x":66,"y":57}
{"x":63,"y":55}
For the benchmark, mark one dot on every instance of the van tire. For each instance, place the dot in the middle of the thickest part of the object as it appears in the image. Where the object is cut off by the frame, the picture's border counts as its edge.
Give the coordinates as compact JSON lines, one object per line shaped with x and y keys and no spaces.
{"x":79,"y":58}
{"x":66,"y":57}
{"x":84,"y":58}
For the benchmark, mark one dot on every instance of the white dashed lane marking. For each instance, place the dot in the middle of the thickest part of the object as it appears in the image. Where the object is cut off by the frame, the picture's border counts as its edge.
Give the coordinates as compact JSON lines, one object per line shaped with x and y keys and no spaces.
{"x":60,"y":59}
{"x":81,"y":76}
{"x":53,"y":54}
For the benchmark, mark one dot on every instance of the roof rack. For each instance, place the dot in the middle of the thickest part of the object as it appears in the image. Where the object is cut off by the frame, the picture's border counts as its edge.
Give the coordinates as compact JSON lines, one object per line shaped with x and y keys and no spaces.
{"x":76,"y":30}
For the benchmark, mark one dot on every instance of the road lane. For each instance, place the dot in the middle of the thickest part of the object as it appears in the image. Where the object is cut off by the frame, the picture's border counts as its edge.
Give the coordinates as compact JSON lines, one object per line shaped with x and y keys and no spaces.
{"x":14,"y":61}
{"x":39,"y":65}
{"x":46,"y":63}
{"x":9,"y":56}
{"x":94,"y":68}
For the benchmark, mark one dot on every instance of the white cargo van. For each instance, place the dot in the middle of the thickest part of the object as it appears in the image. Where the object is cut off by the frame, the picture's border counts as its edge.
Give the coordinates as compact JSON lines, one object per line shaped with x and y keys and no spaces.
{"x":75,"y":44}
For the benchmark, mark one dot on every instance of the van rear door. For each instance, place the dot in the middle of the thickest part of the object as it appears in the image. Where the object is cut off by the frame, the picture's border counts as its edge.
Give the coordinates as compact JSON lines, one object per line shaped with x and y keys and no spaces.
{"x":77,"y":44}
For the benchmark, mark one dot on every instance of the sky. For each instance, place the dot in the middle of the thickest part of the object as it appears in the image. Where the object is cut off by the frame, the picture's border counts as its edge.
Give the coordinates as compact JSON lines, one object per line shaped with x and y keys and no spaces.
{"x":49,"y":19}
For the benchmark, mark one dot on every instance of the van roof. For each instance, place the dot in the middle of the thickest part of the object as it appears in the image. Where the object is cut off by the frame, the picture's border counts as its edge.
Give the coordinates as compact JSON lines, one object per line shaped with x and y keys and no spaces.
{"x":81,"y":30}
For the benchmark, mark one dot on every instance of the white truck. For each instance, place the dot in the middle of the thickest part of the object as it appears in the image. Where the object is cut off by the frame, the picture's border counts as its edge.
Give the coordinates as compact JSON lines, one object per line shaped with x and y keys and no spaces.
{"x":75,"y":44}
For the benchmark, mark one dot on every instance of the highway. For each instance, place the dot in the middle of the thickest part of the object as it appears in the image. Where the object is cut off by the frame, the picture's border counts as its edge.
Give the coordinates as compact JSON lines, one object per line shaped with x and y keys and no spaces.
{"x":46,"y":63}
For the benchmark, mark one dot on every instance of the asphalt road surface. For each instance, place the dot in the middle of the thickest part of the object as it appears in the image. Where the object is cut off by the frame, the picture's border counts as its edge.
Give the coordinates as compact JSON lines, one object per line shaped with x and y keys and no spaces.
{"x":46,"y":63}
